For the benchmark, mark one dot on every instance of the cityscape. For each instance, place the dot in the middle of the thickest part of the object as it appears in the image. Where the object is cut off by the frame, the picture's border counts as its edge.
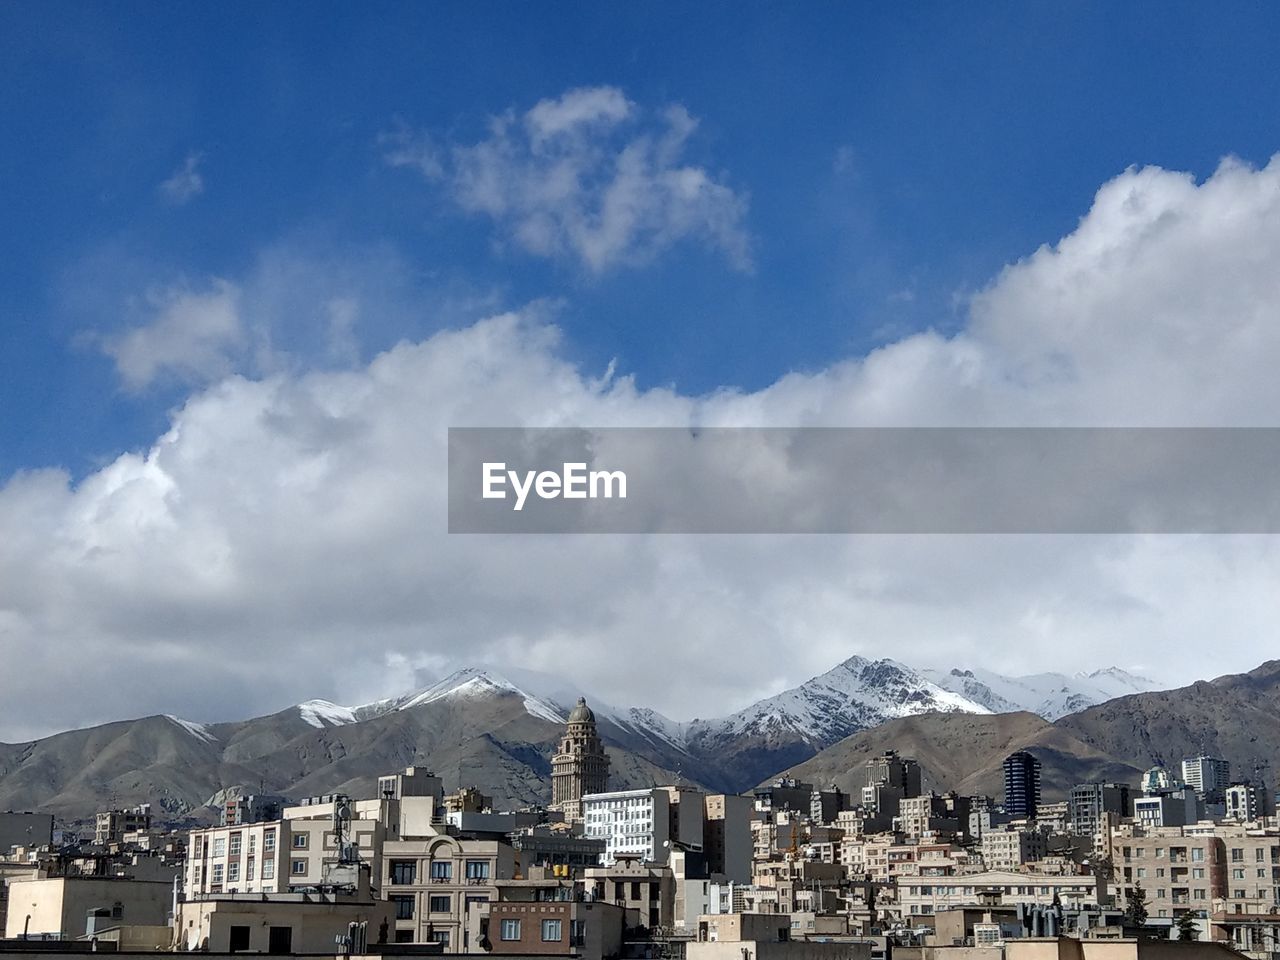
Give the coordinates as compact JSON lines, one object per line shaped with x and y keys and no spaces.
{"x":704,"y":480}
{"x":873,"y":863}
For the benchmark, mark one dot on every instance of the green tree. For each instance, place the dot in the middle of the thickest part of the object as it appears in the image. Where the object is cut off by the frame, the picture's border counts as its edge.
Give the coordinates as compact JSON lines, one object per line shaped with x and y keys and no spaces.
{"x":1186,"y":924}
{"x":1136,"y":912}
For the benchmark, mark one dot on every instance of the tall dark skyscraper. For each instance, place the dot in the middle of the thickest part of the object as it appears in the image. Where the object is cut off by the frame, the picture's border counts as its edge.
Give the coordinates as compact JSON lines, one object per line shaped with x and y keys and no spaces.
{"x":1021,"y":784}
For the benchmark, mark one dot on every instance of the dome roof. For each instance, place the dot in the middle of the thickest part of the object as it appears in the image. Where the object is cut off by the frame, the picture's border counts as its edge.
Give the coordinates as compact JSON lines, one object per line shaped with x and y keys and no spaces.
{"x":582,"y":713}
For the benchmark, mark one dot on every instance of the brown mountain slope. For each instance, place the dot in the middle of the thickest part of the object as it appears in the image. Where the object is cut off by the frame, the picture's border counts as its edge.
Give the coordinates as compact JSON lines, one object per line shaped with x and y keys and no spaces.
{"x":493,"y":743}
{"x":1236,"y":717}
{"x":965,"y":752}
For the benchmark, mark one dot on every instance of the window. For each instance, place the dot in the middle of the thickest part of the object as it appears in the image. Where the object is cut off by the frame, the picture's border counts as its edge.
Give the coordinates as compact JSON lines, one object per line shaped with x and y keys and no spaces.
{"x":249,"y":866}
{"x":510,"y":929}
{"x":233,"y":871}
{"x":550,"y":931}
{"x":268,"y":869}
{"x":300,"y":841}
{"x":440,"y":903}
{"x":268,"y":841}
{"x":477,"y":869}
{"x":404,"y":871}
{"x":440,"y":936}
{"x":235,"y":844}
{"x":1237,"y":854}
{"x":253,"y":840}
{"x":441,"y":870}
{"x":1197,"y":854}
{"x":298,"y":867}
{"x":217,"y":873}
{"x":404,"y":907}
{"x":220,"y":847}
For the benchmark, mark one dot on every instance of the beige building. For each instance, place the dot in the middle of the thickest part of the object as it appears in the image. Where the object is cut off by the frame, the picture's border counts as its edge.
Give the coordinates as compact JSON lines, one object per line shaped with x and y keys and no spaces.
{"x":432,"y":882}
{"x":110,"y":826}
{"x":581,"y":766}
{"x":298,"y":923}
{"x":1227,"y":869}
{"x":748,"y":936}
{"x":70,"y":907}
{"x":1011,"y":847}
{"x":925,"y":896}
{"x":253,"y":858}
{"x":645,"y":890}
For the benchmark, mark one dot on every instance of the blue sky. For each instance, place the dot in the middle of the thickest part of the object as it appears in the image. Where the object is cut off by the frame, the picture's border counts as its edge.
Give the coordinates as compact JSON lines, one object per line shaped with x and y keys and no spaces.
{"x":256,"y":258}
{"x":891,"y":157}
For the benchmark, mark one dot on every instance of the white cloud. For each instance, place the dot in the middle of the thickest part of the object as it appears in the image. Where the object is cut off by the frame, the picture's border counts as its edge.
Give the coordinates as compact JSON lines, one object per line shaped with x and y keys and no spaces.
{"x":190,"y":335}
{"x":185,"y":183}
{"x":287,"y":524}
{"x":588,"y":177}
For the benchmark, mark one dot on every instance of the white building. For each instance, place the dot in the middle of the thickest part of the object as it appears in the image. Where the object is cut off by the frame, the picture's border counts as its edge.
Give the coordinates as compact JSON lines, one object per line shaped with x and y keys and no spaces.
{"x":1247,"y":802}
{"x":1207,"y":776}
{"x":644,"y":823}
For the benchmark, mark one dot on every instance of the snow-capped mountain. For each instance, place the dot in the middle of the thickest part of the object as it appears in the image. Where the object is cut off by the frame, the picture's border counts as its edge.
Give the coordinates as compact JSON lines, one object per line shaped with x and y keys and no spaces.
{"x":852,"y":696}
{"x":771,"y":734}
{"x":1051,"y":695}
{"x":467,"y":683}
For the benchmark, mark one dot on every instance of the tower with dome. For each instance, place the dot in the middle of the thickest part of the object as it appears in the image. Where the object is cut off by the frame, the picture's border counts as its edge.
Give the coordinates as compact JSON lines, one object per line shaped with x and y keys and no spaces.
{"x":581,"y":766}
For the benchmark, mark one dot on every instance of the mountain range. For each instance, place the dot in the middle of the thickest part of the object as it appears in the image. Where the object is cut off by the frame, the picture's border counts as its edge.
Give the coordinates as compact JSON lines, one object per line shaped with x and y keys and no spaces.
{"x":498,"y":730}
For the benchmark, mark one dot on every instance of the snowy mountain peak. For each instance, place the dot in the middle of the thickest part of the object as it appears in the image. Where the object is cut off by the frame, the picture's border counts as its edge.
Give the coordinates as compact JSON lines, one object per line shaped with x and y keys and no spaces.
{"x":198,"y":730}
{"x":854,"y":695}
{"x":322,"y":713}
{"x":1051,"y":695}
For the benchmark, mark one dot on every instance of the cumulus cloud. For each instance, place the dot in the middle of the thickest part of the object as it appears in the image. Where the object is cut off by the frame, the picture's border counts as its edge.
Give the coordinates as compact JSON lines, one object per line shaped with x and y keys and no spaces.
{"x":185,"y":183}
{"x":589,"y":177}
{"x":289,"y":523}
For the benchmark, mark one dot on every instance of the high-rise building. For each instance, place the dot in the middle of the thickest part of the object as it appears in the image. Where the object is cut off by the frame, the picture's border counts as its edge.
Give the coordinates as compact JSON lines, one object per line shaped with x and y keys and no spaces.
{"x":1089,"y":801}
{"x":581,"y":766}
{"x":1021,"y":784}
{"x":890,"y":779}
{"x":1207,"y":776}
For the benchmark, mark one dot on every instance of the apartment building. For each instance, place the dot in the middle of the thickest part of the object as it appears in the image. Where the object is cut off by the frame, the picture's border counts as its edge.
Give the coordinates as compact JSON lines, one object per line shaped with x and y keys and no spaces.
{"x":645,"y":823}
{"x":726,"y":835}
{"x":1088,"y":802}
{"x":1207,"y":776}
{"x":110,"y":826}
{"x":1176,"y":873}
{"x":564,"y":928}
{"x":252,"y":858}
{"x":1010,"y":847}
{"x":646,"y":891}
{"x":432,"y":882}
{"x":924,"y":896}
{"x":1246,"y":802}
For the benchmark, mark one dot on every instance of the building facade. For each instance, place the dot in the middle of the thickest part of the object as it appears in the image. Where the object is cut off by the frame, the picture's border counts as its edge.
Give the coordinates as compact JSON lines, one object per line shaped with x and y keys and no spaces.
{"x":581,"y":766}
